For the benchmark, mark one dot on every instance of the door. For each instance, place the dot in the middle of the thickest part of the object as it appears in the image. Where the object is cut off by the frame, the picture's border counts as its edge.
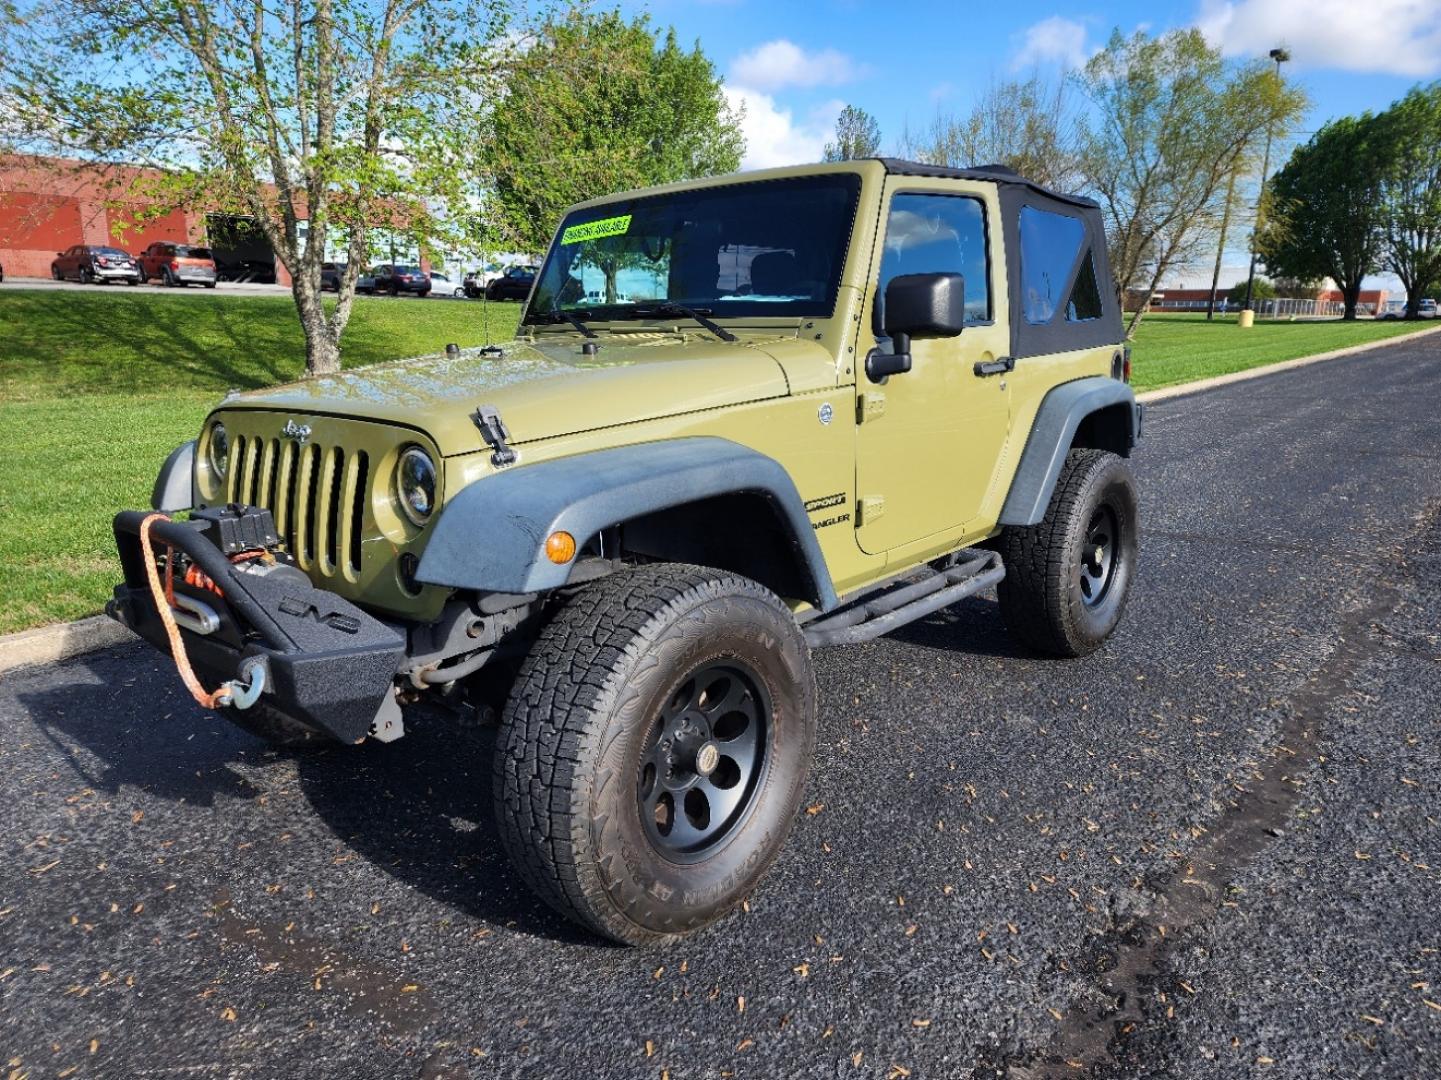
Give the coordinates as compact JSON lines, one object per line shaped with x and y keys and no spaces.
{"x":930,"y":439}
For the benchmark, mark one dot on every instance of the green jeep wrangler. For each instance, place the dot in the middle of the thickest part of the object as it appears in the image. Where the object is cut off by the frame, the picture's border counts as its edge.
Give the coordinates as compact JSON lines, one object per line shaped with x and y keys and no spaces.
{"x":744,"y":418}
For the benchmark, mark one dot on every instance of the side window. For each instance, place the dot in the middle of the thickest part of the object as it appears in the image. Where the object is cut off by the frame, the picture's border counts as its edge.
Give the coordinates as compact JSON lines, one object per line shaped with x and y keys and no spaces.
{"x":1085,"y":301}
{"x":929,"y":234}
{"x":1050,"y":244}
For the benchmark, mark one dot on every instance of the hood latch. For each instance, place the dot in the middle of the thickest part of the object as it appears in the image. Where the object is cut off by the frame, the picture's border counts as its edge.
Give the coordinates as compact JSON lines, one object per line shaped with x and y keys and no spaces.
{"x":493,"y":430}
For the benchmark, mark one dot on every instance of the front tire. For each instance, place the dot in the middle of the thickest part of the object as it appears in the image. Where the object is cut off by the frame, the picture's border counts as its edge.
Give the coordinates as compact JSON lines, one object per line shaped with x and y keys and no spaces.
{"x":655,"y":749}
{"x":1069,"y":576}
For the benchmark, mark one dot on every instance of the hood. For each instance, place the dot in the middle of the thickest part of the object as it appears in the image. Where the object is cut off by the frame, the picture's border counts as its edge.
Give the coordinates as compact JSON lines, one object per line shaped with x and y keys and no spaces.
{"x":543,"y":389}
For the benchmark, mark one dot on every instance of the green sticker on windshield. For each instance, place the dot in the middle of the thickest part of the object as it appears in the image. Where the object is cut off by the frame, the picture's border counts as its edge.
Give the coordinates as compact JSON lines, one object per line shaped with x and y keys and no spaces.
{"x":596,"y":230}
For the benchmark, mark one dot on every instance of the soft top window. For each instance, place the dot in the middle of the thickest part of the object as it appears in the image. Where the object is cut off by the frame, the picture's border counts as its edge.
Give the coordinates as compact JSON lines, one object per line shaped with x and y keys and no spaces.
{"x":1050,"y":244}
{"x":1085,"y":302}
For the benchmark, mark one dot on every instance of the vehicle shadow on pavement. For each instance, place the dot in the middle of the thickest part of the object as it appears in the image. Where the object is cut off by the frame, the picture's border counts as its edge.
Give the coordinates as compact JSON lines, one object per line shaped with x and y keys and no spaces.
{"x":972,"y":626}
{"x":121,"y":719}
{"x":420,"y":810}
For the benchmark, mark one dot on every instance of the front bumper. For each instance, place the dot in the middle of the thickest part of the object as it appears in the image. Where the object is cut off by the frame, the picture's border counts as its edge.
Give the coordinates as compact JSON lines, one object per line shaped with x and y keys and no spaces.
{"x":329,"y":665}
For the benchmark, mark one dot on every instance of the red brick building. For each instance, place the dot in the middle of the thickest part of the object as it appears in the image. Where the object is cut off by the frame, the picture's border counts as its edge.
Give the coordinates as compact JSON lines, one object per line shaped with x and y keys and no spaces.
{"x":49,"y":204}
{"x":1372,"y":300}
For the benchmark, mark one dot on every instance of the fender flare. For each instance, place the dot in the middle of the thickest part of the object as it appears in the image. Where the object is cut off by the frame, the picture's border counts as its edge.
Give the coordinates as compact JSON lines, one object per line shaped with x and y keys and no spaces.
{"x":175,"y":483}
{"x":489,"y":537}
{"x":1061,"y":413}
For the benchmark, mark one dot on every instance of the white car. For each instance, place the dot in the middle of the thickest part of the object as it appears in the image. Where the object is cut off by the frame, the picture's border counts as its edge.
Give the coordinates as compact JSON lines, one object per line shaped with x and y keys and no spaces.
{"x":445,"y":285}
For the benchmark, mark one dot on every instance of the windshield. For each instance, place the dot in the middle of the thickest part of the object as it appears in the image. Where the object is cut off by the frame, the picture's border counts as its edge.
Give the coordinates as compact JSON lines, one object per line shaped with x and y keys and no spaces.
{"x":764,"y":247}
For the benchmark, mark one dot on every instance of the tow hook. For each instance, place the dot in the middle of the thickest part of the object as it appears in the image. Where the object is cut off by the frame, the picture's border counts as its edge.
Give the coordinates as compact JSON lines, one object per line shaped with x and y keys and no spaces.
{"x":242,"y":695}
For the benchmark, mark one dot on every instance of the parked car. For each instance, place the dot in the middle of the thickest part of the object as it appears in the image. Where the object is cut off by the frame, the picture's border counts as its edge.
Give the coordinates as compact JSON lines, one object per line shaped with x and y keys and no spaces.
{"x":330,"y":275}
{"x":445,"y":285}
{"x":177,"y":264}
{"x":514,"y":284}
{"x":1394,"y":309}
{"x":395,"y":279}
{"x":92,"y":264}
{"x":2,"y":272}
{"x":1426,"y":309}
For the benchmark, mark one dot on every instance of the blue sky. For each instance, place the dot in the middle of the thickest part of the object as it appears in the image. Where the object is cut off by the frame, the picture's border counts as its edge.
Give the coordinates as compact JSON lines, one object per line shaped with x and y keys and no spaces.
{"x":794,"y":64}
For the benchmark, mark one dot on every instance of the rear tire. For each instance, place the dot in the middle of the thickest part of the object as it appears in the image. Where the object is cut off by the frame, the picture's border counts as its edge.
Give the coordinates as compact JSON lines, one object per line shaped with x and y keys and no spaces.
{"x":654,"y":750}
{"x":1069,"y":576}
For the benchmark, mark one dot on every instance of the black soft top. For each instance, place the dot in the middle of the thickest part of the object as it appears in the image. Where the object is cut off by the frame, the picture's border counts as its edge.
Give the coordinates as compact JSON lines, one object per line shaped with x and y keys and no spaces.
{"x":1016,"y":193}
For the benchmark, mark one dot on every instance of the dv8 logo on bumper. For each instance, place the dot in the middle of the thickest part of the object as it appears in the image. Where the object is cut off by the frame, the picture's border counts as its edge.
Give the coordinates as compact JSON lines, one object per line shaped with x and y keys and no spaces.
{"x":336,"y":620}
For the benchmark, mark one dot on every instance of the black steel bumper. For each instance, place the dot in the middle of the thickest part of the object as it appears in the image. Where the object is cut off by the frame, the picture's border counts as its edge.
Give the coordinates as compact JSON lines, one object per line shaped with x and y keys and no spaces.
{"x":328,"y":664}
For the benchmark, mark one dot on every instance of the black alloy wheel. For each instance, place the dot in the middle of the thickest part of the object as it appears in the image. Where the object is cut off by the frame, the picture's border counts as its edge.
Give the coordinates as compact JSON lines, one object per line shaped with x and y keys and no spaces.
{"x":1098,"y":555}
{"x":654,"y":750}
{"x":1068,"y":576}
{"x":703,"y":759}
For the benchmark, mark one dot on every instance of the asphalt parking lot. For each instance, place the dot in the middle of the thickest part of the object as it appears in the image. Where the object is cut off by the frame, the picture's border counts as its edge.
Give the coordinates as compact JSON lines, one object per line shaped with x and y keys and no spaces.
{"x":1209,"y":851}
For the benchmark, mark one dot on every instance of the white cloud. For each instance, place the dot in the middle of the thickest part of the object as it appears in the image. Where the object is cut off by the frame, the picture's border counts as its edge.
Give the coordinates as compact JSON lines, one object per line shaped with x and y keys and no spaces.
{"x":1056,"y":40}
{"x":773,"y":134}
{"x":1396,"y":37}
{"x":782,"y":63}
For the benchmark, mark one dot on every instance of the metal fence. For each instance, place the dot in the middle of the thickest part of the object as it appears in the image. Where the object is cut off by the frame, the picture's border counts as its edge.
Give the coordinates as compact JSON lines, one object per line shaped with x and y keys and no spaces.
{"x":1268,"y":309}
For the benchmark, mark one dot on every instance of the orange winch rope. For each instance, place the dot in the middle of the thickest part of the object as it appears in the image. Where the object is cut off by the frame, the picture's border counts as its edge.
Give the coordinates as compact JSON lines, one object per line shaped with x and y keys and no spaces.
{"x":205,"y":698}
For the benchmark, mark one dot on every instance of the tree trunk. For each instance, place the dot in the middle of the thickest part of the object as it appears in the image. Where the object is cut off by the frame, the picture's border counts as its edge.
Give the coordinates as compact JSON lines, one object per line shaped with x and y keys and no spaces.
{"x":322,"y":345}
{"x":1351,"y":295}
{"x":1221,"y":248}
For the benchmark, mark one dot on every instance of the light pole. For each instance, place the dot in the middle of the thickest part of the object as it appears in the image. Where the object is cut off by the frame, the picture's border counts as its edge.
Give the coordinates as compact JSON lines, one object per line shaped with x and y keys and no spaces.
{"x":1280,"y":56}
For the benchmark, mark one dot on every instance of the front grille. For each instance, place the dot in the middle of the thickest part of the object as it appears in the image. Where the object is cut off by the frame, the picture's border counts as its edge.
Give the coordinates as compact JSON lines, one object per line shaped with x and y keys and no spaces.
{"x":316,"y":493}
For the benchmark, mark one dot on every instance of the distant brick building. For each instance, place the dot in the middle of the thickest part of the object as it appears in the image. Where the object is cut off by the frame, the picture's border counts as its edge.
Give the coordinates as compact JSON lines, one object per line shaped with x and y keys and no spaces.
{"x":50,"y":204}
{"x":1372,"y":300}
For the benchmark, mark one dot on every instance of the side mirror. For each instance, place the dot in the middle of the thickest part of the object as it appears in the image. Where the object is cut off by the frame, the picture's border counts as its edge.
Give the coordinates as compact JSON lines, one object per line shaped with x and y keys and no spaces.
{"x":917,"y":306}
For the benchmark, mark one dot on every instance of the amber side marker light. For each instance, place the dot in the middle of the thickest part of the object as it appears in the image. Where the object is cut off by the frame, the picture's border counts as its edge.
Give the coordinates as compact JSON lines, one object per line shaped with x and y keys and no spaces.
{"x":560,"y":547}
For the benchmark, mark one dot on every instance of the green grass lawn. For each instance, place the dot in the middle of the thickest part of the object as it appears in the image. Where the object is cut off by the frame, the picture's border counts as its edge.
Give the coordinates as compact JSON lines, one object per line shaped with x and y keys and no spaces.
{"x":1171,"y":349}
{"x":96,"y":387}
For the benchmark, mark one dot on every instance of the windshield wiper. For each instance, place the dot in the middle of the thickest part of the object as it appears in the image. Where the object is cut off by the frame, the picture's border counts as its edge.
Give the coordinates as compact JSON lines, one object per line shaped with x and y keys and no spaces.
{"x":698,"y":314}
{"x":557,"y":313}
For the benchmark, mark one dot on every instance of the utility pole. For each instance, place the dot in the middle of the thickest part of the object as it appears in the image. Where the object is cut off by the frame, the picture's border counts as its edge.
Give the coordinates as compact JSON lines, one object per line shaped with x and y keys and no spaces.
{"x":1280,"y":56}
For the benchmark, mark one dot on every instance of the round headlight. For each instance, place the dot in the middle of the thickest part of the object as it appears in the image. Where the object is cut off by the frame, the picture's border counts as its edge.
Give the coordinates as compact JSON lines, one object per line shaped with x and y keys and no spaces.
{"x":415,"y":484}
{"x":218,"y":449}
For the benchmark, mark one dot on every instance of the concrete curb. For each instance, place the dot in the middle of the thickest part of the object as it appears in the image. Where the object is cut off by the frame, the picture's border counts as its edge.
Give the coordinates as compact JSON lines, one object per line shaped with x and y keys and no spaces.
{"x":62,"y":641}
{"x":1196,"y":387}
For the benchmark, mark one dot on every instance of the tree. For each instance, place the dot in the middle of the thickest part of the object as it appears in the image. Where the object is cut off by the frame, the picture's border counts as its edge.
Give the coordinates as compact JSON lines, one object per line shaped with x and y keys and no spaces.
{"x":1408,"y":135}
{"x":1328,"y":219}
{"x":1026,"y":126}
{"x":313,"y":117}
{"x":857,"y":136}
{"x":1170,"y":123}
{"x":596,"y":105}
{"x":1263,"y":290}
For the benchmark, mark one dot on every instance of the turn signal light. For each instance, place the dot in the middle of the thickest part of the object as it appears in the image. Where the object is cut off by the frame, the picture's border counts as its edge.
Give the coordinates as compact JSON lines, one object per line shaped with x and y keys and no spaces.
{"x":560,"y":547}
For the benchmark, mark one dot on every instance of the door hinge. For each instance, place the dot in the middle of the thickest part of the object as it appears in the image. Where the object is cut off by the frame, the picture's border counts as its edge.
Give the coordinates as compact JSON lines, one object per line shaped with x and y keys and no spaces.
{"x":870,"y":509}
{"x":493,"y":430}
{"x":870,"y":405}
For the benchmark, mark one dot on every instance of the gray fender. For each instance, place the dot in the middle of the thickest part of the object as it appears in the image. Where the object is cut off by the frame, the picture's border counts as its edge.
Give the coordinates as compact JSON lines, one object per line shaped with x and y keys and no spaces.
{"x":1061,"y":413}
{"x":175,"y":481}
{"x":489,"y":536}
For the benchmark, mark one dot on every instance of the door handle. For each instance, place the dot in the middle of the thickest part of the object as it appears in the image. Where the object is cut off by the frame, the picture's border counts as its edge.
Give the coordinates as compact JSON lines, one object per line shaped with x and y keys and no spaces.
{"x":995,"y":367}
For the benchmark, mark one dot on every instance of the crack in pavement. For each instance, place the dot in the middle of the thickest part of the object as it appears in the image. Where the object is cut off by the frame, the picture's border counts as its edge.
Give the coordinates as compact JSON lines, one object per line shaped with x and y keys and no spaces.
{"x":1125,"y":960}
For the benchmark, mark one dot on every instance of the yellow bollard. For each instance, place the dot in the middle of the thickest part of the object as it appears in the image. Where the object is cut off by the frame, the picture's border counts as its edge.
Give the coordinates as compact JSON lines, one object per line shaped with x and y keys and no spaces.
{"x":1247,"y":318}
